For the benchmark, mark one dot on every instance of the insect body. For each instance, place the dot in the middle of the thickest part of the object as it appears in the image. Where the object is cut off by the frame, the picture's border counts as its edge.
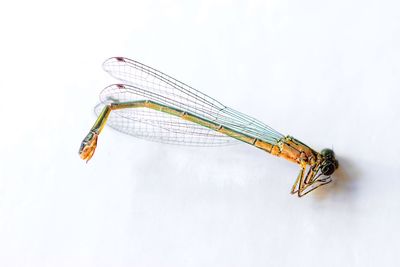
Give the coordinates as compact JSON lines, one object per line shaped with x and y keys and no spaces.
{"x":152,"y":105}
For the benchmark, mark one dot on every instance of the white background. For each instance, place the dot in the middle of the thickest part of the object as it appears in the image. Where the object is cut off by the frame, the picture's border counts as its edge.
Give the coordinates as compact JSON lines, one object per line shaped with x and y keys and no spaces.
{"x":326,"y":72}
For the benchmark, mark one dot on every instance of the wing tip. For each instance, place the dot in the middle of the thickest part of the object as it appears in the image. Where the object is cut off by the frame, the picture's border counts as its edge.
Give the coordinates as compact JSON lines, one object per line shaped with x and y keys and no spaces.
{"x":113,"y":59}
{"x":121,"y":59}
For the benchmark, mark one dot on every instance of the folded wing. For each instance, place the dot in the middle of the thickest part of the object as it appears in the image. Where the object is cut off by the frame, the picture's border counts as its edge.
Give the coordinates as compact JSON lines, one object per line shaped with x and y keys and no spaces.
{"x":142,"y":82}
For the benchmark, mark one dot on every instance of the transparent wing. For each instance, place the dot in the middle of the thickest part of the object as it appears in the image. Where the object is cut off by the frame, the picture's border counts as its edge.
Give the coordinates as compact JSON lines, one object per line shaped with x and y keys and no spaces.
{"x":145,"y":83}
{"x":157,"y":126}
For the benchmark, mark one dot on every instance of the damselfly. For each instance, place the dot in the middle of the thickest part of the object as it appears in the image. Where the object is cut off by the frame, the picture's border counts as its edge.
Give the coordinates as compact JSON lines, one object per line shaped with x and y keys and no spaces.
{"x":152,"y":105}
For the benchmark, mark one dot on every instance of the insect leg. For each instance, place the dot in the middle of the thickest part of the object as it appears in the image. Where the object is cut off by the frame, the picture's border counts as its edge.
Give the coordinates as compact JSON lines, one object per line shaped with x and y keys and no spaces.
{"x":299,"y":180}
{"x":314,"y":183}
{"x":310,"y":189}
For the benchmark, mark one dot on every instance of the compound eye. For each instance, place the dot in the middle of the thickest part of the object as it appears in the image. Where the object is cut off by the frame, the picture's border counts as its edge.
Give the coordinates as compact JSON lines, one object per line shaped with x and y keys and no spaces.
{"x":328,"y":153}
{"x":328,"y":168}
{"x":336,"y":164}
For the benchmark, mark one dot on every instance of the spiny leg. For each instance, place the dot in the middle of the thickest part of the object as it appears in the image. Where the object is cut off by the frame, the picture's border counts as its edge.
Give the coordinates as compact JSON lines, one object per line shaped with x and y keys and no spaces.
{"x":302,"y":181}
{"x":318,"y":183}
{"x":295,"y":186}
{"x":311,"y":176}
{"x":299,"y":179}
{"x":314,"y":182}
{"x":306,"y":183}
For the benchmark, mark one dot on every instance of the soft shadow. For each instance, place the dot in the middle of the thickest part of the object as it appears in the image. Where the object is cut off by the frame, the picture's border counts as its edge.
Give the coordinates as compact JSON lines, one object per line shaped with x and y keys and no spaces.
{"x":345,"y":181}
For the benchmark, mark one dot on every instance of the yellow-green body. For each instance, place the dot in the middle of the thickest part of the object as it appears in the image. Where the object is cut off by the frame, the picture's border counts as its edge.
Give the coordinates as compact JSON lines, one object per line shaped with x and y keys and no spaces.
{"x":287,"y":147}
